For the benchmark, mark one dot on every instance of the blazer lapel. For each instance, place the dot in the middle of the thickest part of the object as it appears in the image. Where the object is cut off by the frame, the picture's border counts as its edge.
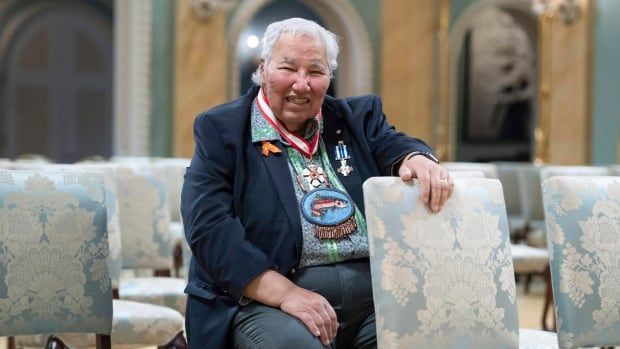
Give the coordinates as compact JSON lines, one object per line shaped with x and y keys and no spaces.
{"x":280,"y":175}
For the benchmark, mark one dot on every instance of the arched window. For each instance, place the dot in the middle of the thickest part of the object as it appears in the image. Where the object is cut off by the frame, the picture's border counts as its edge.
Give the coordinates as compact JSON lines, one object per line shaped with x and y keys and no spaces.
{"x":56,"y":59}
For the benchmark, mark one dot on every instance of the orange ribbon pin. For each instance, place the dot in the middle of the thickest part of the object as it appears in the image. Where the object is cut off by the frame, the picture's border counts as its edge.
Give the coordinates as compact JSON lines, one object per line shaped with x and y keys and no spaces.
{"x":267,"y":148}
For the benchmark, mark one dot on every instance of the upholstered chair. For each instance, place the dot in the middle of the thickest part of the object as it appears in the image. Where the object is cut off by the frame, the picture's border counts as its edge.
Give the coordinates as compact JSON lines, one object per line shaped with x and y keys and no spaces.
{"x":446,"y":279}
{"x":134,"y":324}
{"x":507,"y":173}
{"x":583,"y":232}
{"x":531,"y":205}
{"x":551,"y":171}
{"x":54,"y":272}
{"x":172,"y":171}
{"x":145,"y":236}
{"x":488,"y":169}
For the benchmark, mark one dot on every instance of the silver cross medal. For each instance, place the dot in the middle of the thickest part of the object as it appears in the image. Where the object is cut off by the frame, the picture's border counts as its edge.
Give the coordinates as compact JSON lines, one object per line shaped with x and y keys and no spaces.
{"x":342,"y":155}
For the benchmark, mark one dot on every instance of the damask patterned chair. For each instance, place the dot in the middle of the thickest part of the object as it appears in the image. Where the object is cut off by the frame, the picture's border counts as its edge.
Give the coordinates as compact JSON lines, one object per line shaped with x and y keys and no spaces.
{"x":489,"y":170}
{"x":443,"y":280}
{"x":172,"y":171}
{"x":508,"y":174}
{"x":583,"y":229}
{"x":582,"y":171}
{"x":54,"y":275}
{"x":531,"y":205}
{"x":134,"y":324}
{"x":146,"y":241}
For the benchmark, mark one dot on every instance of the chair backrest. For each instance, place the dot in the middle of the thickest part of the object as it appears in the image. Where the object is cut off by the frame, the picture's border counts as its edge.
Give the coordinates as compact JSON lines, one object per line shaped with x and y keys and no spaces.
{"x":107,"y":171}
{"x":54,"y":274}
{"x":530,"y":193}
{"x":144,"y":218}
{"x":550,"y":171}
{"x":441,"y":280}
{"x":488,"y":169}
{"x":614,"y":170}
{"x":508,"y":174}
{"x":583,"y":233}
{"x":173,"y":172}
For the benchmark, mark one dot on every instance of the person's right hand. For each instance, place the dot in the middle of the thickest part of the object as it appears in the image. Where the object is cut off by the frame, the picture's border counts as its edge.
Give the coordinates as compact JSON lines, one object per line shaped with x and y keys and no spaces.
{"x":313,"y":310}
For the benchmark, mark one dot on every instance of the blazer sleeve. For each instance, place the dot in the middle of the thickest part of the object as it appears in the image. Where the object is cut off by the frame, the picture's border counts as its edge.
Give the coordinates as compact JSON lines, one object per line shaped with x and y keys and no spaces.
{"x":213,"y":231}
{"x":387,"y":145}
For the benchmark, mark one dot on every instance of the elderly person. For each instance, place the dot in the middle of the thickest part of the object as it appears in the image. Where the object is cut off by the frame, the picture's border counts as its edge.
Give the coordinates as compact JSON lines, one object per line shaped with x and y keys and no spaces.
{"x":272,"y":203}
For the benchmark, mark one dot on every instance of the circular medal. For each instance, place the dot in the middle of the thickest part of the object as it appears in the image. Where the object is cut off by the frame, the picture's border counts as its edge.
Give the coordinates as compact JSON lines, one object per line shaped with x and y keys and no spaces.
{"x":326,"y":207}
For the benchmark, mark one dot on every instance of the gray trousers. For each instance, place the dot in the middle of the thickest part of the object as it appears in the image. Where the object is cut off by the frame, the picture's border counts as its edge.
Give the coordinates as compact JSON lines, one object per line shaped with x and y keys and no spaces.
{"x":348,"y":289}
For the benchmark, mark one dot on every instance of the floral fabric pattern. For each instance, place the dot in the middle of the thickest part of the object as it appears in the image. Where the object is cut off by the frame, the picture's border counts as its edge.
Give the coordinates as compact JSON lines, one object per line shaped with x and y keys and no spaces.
{"x":53,"y":253}
{"x":144,"y":218}
{"x":584,"y":214}
{"x":445,"y":279}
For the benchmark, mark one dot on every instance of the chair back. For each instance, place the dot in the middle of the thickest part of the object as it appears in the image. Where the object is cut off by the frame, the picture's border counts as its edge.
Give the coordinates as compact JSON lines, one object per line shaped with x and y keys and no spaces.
{"x":54,"y":274}
{"x":144,"y":218}
{"x":550,"y":171}
{"x":441,"y":280}
{"x":614,"y":170}
{"x":530,"y":193}
{"x":488,"y":169}
{"x":107,"y":171}
{"x":583,"y":233}
{"x":173,"y":172}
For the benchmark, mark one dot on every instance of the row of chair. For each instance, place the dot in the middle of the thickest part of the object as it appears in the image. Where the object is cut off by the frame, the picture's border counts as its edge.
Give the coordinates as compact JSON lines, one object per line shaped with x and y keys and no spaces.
{"x":136,"y":200}
{"x":446,"y":280}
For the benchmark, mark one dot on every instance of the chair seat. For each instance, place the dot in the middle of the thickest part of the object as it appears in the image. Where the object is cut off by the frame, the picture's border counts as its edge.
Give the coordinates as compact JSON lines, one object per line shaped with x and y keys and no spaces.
{"x":535,"y":339}
{"x":528,"y":259}
{"x":166,"y":291}
{"x":134,"y":325}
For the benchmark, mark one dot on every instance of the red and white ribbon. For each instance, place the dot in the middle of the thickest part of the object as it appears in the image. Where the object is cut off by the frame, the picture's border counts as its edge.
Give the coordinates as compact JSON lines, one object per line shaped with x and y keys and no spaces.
{"x":304,"y":147}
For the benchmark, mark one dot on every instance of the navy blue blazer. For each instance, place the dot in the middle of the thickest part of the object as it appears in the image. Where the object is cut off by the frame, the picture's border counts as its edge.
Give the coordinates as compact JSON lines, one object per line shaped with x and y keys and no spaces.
{"x":239,"y":207}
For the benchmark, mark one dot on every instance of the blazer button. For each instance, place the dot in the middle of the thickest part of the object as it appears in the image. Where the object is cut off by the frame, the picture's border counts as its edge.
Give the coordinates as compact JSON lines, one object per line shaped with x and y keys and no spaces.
{"x":293,"y":271}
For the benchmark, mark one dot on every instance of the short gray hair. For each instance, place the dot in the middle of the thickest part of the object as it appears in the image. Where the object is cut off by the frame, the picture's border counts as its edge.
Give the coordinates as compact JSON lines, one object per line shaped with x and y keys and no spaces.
{"x":298,"y":26}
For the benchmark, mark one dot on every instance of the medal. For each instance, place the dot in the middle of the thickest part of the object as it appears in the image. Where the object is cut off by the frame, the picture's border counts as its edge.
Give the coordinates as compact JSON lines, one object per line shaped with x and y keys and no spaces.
{"x":342,"y":155}
{"x":315,"y":175}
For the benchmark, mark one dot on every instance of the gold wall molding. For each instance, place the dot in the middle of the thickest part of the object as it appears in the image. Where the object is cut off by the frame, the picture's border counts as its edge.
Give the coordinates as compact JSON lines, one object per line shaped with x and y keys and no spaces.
{"x":200,"y":71}
{"x":407,"y":71}
{"x":563,"y":133}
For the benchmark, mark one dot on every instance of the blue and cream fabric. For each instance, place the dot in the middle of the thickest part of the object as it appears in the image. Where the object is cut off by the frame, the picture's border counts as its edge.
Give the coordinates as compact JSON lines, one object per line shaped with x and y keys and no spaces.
{"x":54,"y":273}
{"x":144,"y":218}
{"x":583,"y":232}
{"x":315,"y":251}
{"x":135,"y":325}
{"x":441,"y":280}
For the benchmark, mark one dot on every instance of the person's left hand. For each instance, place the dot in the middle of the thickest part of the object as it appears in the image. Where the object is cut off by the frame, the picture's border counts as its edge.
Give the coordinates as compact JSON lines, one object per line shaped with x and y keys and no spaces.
{"x":436,"y":185}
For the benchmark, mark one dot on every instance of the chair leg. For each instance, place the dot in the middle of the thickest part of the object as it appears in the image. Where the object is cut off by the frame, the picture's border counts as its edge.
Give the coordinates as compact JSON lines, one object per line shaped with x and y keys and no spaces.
{"x":162,"y":272}
{"x":11,"y":342}
{"x":54,"y":342}
{"x":526,"y":283}
{"x":103,"y":341}
{"x":178,"y":342}
{"x":177,"y":259}
{"x":548,"y":303}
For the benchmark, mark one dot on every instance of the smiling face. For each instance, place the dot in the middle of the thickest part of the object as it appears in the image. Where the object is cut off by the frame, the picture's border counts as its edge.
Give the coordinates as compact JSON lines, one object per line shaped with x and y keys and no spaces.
{"x":296,"y":79}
